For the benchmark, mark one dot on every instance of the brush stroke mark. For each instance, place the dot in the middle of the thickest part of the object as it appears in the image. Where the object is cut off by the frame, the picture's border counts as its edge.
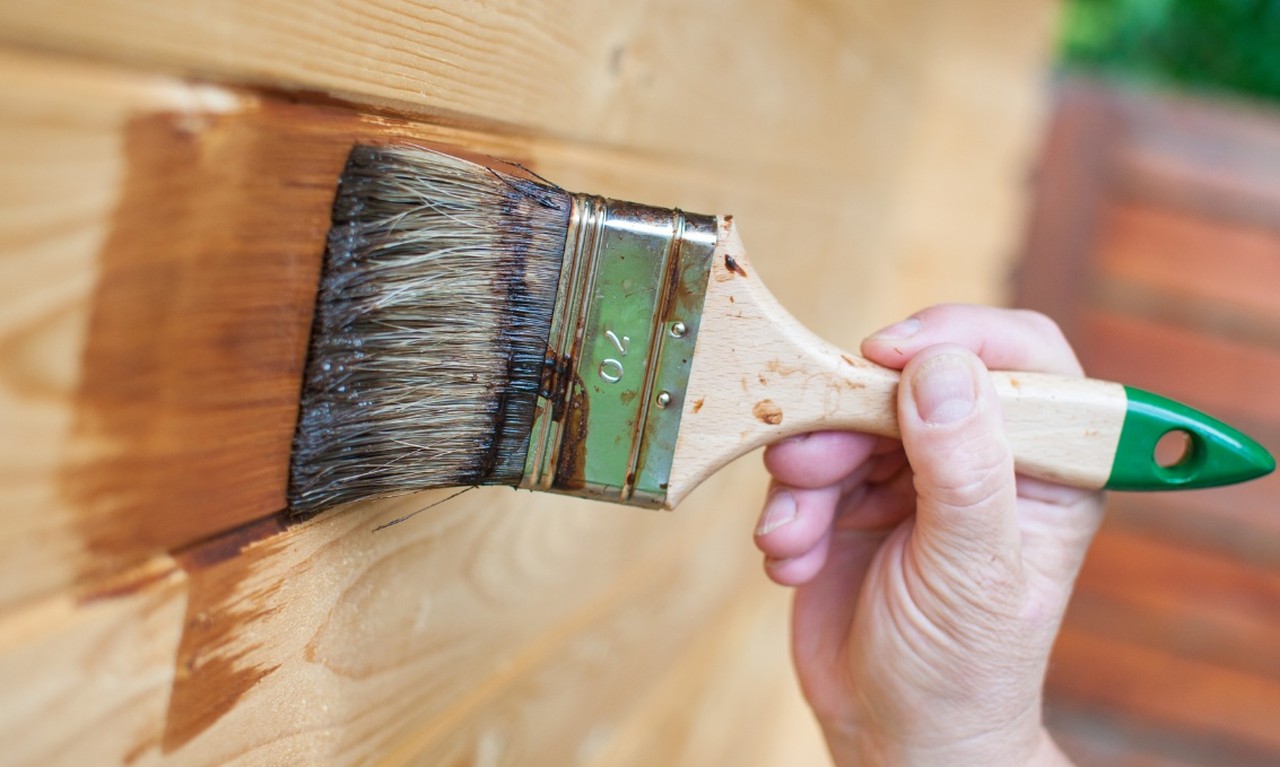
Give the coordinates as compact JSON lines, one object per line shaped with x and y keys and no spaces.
{"x":227,"y":601}
{"x":198,"y":328}
{"x":189,"y":380}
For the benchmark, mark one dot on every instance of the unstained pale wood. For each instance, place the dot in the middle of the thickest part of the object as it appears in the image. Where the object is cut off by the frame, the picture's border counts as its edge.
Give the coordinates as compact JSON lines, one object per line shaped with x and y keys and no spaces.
{"x":590,"y":72}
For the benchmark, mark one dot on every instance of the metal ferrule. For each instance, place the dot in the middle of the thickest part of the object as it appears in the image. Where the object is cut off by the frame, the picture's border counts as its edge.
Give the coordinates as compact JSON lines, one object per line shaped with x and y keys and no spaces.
{"x":626,"y":320}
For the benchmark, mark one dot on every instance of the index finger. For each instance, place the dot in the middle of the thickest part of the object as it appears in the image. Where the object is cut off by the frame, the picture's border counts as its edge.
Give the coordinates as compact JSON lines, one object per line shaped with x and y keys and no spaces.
{"x":1004,"y":339}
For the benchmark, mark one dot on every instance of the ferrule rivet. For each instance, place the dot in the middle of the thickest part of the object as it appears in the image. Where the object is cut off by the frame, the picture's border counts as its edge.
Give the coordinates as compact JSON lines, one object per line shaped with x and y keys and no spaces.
{"x":678,"y":329}
{"x":664,"y":399}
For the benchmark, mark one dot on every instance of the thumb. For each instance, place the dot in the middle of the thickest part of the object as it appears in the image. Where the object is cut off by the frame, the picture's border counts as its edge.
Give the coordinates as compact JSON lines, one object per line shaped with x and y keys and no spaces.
{"x":952,"y":430}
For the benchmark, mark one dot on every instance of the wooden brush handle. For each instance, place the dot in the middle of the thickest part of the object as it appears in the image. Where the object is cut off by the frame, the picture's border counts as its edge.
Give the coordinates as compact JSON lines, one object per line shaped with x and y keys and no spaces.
{"x":759,"y":376}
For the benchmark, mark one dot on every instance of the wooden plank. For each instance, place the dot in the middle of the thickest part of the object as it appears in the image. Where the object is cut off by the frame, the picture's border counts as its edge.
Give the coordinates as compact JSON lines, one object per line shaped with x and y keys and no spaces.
{"x":1154,"y":622}
{"x":1196,"y":603}
{"x":1192,"y":256}
{"x":88,"y":683}
{"x":1221,"y":376}
{"x":1206,"y":156}
{"x":611,"y":73}
{"x":422,"y":640}
{"x":740,"y":88}
{"x":1238,"y":520}
{"x":1193,"y":270}
{"x":1211,"y":702}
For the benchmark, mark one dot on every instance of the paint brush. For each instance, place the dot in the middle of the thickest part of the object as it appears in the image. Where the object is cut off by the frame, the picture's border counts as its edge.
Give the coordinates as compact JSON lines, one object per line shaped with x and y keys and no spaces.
{"x":478,"y":325}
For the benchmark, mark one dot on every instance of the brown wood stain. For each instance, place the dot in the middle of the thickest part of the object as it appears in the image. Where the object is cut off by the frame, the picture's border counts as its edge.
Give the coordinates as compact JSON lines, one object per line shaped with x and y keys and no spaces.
{"x":214,"y":666}
{"x":188,"y":396}
{"x":199,"y":327}
{"x":189,"y":392}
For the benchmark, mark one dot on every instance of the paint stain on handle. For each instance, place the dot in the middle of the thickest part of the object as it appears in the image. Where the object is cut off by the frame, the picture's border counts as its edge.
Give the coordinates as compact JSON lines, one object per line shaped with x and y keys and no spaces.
{"x":767,"y":411}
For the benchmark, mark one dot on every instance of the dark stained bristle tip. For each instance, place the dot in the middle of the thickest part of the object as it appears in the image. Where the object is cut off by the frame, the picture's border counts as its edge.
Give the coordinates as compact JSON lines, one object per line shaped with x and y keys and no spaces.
{"x":363,"y":154}
{"x":349,"y":203}
{"x":430,"y":331}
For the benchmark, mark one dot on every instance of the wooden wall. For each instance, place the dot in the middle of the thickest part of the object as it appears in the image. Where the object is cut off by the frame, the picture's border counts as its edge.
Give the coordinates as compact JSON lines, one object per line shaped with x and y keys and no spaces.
{"x":164,"y":179}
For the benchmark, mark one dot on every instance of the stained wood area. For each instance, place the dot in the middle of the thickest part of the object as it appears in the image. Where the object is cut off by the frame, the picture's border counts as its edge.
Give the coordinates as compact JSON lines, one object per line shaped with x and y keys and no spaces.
{"x":1156,"y":243}
{"x":165,"y":176}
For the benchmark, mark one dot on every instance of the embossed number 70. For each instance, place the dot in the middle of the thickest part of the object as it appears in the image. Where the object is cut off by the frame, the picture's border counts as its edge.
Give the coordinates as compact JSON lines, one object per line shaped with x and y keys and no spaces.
{"x":611,"y":369}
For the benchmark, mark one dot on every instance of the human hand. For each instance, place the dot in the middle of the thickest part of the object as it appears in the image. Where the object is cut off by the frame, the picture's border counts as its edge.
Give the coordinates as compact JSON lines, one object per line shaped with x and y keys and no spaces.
{"x":931,"y":582}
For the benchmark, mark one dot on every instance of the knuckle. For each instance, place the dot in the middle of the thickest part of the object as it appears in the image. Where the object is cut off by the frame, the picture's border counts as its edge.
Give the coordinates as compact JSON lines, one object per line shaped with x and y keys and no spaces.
{"x":1054,"y":343}
{"x":1041,"y":324}
{"x":972,"y":471}
{"x":980,"y":488}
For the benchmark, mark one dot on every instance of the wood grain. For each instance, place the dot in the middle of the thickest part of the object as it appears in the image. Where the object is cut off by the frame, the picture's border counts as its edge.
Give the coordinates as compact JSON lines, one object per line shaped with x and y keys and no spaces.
{"x":502,"y":627}
{"x":191,"y":342}
{"x":412,"y":655}
{"x":100,"y":668}
{"x":63,"y":166}
{"x":590,"y":72}
{"x":162,"y":392}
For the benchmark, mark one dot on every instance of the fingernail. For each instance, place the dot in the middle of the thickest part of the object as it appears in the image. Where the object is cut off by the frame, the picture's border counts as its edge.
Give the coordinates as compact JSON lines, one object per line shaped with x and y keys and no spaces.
{"x":905,"y":329}
{"x":944,"y":389}
{"x":778,"y":511}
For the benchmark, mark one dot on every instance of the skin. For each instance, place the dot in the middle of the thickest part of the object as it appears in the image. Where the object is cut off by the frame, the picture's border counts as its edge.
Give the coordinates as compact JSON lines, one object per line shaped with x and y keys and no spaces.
{"x":930,"y":580}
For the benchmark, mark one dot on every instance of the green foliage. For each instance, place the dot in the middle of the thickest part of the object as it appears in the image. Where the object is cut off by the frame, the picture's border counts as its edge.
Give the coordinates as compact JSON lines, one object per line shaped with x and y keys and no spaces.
{"x":1229,"y":45}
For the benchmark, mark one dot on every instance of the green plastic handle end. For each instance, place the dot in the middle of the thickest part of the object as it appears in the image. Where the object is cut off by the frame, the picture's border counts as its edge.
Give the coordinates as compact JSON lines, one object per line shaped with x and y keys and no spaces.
{"x":1215,"y":453}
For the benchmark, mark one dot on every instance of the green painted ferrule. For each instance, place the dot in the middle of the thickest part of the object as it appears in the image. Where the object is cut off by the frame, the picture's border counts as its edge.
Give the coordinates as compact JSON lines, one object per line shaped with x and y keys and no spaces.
{"x":628,"y":307}
{"x":1216,"y":454}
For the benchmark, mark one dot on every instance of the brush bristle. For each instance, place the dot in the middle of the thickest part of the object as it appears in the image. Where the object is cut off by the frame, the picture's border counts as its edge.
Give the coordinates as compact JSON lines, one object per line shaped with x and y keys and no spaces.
{"x":430,"y":330}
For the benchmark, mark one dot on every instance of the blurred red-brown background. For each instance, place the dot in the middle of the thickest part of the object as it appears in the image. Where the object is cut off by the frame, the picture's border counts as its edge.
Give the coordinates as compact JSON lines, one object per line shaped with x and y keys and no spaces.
{"x":1155,"y":243}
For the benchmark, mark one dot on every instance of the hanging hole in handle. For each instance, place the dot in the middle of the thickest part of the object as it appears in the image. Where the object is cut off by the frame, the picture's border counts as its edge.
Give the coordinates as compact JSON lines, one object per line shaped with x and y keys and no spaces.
{"x":1174,"y":449}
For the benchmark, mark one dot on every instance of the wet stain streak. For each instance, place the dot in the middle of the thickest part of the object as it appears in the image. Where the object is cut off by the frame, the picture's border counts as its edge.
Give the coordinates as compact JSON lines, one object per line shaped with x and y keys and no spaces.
{"x":190,"y":377}
{"x":227,"y":601}
{"x":198,"y":327}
